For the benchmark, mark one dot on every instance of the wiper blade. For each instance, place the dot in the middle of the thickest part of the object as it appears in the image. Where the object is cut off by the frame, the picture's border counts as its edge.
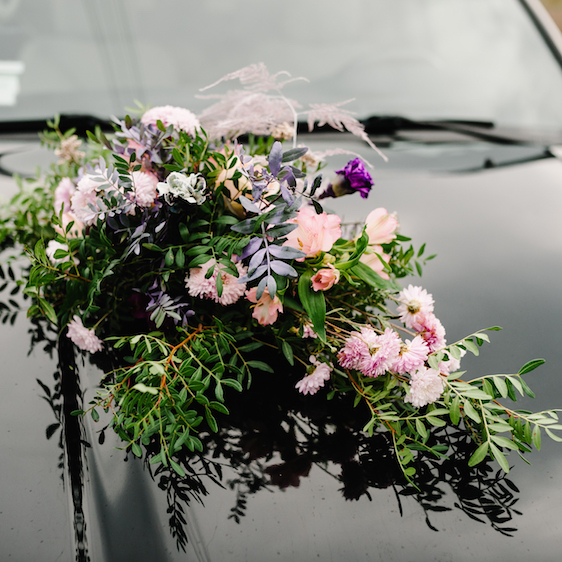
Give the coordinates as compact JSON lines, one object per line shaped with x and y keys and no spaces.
{"x":81,"y":123}
{"x":389,"y":125}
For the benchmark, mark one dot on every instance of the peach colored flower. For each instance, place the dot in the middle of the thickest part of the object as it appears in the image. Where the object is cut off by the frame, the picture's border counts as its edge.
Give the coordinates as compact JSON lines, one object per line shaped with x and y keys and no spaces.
{"x":326,"y":278}
{"x":374,"y":262}
{"x":63,"y":192}
{"x":144,"y":184}
{"x":381,"y":227}
{"x":266,"y":309}
{"x":314,"y":233}
{"x":76,"y":229}
{"x":83,"y":337}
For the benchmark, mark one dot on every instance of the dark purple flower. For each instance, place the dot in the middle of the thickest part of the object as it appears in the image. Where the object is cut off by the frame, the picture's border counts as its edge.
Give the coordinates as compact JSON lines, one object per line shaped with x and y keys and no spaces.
{"x":353,"y":177}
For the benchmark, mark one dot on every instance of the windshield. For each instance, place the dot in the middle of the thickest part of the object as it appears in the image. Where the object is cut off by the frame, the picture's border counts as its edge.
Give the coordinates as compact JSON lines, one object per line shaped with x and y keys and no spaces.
{"x":436,"y":59}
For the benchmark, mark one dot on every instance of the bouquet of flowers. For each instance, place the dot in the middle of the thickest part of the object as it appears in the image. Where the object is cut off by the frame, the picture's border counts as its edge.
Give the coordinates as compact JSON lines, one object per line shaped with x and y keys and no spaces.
{"x":201,"y":261}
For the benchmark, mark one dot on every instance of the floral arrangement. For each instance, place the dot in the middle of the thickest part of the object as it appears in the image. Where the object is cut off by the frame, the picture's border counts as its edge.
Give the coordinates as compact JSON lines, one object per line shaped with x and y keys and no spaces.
{"x":196,"y":262}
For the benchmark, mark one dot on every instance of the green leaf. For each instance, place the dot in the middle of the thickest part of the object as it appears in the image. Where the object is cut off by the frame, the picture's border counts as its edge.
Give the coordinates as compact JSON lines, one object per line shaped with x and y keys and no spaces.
{"x":552,"y":435}
{"x":219,"y":407}
{"x":454,"y":410}
{"x":314,"y":303}
{"x":259,"y":365}
{"x":471,"y":412}
{"x":211,"y":421}
{"x":233,"y":383}
{"x":471,"y":346}
{"x":537,"y":437}
{"x":479,"y":455}
{"x":421,"y":429}
{"x":180,"y":258}
{"x":288,"y":352}
{"x":95,"y":415}
{"x":500,"y":457}
{"x":169,"y":259}
{"x":177,"y":468}
{"x":500,"y":385}
{"x":143,"y":388}
{"x":531,"y":366}
{"x":367,"y":275}
{"x":504,"y":442}
{"x":137,"y":451}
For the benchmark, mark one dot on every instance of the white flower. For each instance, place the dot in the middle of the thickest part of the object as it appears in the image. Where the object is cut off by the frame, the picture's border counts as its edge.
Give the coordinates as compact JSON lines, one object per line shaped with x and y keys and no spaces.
{"x":414,"y":302}
{"x":310,"y":384}
{"x":426,"y":386}
{"x":189,"y":188}
{"x":68,"y":151}
{"x":82,"y":337}
{"x":51,"y":249}
{"x":180,"y":118}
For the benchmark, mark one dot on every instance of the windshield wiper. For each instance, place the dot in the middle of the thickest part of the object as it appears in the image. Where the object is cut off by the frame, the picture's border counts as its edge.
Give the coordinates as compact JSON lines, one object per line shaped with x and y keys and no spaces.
{"x":389,"y":125}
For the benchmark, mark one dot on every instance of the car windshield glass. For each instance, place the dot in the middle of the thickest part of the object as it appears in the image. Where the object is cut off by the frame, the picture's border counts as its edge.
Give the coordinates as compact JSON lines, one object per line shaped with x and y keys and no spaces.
{"x":436,"y":59}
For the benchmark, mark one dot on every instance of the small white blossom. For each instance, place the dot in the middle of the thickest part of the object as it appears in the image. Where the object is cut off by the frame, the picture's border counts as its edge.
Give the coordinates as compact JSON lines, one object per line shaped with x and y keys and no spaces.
{"x":189,"y":188}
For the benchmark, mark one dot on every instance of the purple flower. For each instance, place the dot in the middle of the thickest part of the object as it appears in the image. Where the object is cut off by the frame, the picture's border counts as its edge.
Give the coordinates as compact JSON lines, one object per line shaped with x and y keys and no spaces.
{"x":351,"y":178}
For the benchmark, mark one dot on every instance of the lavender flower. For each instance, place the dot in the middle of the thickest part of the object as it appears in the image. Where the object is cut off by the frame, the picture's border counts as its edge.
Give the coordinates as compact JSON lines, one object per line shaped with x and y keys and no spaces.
{"x":353,"y":177}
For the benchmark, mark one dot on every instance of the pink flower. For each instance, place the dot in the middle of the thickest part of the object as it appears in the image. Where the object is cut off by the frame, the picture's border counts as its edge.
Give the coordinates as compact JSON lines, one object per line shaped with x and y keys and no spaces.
{"x":51,"y":249}
{"x":431,"y":330}
{"x":63,"y":192}
{"x":374,"y":262}
{"x":82,"y":337}
{"x":86,"y":193}
{"x":266,"y":309}
{"x":199,"y":286}
{"x":311,"y":383}
{"x":314,"y":233}
{"x":381,"y":227}
{"x":370,"y":353}
{"x":415,"y":302}
{"x":413,"y":354}
{"x":325,"y":279}
{"x":76,"y":229}
{"x":452,"y":365}
{"x":426,"y":386}
{"x":308,"y":331}
{"x":144,"y":184}
{"x":181,"y":119}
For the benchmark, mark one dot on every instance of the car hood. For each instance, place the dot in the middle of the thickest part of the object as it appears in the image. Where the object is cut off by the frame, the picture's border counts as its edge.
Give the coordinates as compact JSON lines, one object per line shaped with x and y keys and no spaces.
{"x":491,"y":214}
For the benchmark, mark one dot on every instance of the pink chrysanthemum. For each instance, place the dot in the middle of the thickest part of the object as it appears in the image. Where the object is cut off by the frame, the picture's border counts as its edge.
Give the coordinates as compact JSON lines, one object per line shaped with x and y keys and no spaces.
{"x":82,"y":337}
{"x":414,"y":301}
{"x":144,"y":185}
{"x":313,"y":382}
{"x":180,"y":118}
{"x":412,"y":356}
{"x":199,"y":286}
{"x":431,"y":330}
{"x":370,"y":353}
{"x":426,"y":386}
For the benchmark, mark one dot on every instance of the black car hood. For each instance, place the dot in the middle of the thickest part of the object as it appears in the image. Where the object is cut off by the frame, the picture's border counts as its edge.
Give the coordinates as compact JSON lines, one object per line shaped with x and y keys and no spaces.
{"x":492,"y":215}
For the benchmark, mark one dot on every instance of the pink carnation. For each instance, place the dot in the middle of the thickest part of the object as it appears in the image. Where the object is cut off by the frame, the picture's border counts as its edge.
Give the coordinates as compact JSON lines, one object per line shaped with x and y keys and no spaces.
{"x":179,"y":118}
{"x":370,"y":353}
{"x":199,"y":286}
{"x":374,"y":262}
{"x":82,"y":337}
{"x":415,"y":302}
{"x":326,"y":278}
{"x":314,"y":233}
{"x":431,"y":330}
{"x":426,"y":386}
{"x":310,"y":384}
{"x":381,"y":227}
{"x":413,"y":354}
{"x":266,"y":309}
{"x":144,"y":184}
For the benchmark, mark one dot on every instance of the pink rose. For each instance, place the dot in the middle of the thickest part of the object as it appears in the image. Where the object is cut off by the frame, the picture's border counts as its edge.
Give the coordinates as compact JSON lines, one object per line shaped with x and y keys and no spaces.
{"x":374,"y":262}
{"x":314,"y":233}
{"x":325,"y":279}
{"x":381,"y":227}
{"x":266,"y":309}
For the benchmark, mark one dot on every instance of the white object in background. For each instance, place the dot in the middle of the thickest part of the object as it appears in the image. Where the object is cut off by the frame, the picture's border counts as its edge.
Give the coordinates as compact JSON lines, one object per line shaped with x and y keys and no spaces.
{"x":10,"y":71}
